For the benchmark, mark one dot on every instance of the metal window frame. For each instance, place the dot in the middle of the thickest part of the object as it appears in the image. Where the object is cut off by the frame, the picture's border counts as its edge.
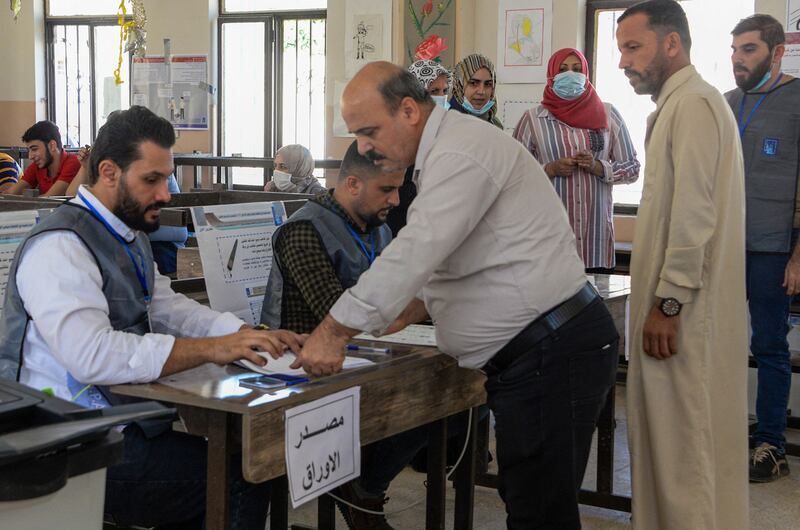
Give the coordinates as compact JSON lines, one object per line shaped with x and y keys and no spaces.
{"x":273,"y":70}
{"x":593,"y":7}
{"x":50,"y":74}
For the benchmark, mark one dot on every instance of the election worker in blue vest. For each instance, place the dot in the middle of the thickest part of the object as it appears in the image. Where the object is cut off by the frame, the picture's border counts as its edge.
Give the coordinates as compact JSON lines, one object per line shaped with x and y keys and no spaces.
{"x":85,"y":308}
{"x":767,"y":108}
{"x":320,"y":252}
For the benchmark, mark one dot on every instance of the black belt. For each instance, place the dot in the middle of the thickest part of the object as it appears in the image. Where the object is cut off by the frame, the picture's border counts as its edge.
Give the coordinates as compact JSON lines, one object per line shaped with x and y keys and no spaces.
{"x":541,"y":328}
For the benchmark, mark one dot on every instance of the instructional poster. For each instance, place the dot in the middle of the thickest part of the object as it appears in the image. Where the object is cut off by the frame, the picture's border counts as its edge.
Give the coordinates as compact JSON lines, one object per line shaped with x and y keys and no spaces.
{"x":14,"y":226}
{"x":235,"y":242}
{"x":176,"y":90}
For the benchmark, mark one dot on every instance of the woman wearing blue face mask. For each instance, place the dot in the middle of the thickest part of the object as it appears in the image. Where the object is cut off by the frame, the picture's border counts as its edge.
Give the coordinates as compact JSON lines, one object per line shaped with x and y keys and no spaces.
{"x":437,"y":81}
{"x":473,"y":88}
{"x":585,"y":149}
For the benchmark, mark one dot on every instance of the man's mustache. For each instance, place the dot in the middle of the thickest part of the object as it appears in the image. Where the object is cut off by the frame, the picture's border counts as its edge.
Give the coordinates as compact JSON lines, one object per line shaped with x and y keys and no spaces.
{"x":155,"y":206}
{"x":373,"y":156}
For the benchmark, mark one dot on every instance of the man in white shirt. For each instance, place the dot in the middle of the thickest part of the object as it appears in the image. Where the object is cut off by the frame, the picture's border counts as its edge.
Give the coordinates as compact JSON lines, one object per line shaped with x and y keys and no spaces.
{"x":489,"y":253}
{"x":106,"y":317}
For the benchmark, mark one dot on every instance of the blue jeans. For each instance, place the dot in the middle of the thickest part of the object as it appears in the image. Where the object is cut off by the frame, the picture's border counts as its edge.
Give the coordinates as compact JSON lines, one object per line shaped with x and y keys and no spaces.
{"x":546,"y":405}
{"x":769,"y":319}
{"x":162,"y":481}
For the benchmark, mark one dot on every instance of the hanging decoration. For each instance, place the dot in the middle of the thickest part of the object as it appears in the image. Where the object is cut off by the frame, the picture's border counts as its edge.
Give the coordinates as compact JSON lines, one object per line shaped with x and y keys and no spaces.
{"x":16,"y":7}
{"x":132,"y":31}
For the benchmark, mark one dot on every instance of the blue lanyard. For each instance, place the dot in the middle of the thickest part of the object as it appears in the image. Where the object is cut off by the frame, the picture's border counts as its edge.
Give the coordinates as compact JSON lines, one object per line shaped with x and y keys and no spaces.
{"x":743,"y":126}
{"x":139,"y":269}
{"x":370,"y":255}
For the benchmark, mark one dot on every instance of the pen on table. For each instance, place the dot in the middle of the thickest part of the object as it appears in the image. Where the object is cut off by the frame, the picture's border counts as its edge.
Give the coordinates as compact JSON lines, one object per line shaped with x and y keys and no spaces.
{"x":356,"y":347}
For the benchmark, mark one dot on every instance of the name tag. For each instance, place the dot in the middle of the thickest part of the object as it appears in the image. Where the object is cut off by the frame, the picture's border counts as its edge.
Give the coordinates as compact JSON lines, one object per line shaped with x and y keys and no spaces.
{"x":770,"y":146}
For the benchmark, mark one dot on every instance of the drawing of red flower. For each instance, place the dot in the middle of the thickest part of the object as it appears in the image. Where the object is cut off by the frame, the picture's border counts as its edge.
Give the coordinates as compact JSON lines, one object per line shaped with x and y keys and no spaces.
{"x":430,"y":48}
{"x":427,"y":7}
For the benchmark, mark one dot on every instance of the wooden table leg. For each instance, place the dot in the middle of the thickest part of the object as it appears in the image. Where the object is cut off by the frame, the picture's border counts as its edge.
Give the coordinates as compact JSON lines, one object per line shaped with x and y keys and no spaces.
{"x":326,"y":513}
{"x":219,"y":443}
{"x":437,"y":460}
{"x":465,"y":478}
{"x":279,"y":504}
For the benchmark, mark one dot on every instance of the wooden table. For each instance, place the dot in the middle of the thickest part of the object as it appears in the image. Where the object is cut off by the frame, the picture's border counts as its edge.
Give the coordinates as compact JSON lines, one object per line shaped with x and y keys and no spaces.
{"x":410,"y":387}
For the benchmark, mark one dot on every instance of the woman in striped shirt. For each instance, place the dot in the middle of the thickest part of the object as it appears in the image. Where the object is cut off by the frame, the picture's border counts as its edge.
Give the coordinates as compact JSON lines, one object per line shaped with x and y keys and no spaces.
{"x":585,"y":149}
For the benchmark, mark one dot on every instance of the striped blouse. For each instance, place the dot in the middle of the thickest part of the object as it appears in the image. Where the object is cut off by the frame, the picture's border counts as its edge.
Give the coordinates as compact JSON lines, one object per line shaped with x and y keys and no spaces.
{"x":586,"y":197}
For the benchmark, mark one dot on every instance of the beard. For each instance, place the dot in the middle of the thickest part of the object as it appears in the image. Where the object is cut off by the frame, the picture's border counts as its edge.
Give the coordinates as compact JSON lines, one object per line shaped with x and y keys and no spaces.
{"x":652,"y":78}
{"x":132,"y":213}
{"x":755,"y":77}
{"x":48,"y":159}
{"x":376,"y":219}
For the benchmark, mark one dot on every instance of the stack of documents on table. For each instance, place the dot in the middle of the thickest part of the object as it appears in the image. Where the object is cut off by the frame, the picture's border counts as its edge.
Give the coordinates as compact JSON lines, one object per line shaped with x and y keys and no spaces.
{"x":415,"y":334}
{"x":282,"y":364}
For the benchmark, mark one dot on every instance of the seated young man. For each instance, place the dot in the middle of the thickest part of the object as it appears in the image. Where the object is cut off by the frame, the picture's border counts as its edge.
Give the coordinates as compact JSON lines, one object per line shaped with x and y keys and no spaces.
{"x":107,"y":317}
{"x":52,"y":168}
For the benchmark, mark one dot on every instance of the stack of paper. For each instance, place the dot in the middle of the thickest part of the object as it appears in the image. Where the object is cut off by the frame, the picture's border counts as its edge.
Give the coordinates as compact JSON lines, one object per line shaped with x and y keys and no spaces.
{"x":282,"y":364}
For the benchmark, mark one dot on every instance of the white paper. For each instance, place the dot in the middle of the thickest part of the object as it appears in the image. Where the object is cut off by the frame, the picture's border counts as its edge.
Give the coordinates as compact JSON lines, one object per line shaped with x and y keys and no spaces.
{"x":368,"y":33}
{"x":178,"y":92}
{"x":513,"y":111}
{"x":282,"y":364}
{"x":791,"y":57}
{"x":323,"y":444}
{"x":14,"y":226}
{"x":415,"y":334}
{"x":339,"y":125}
{"x":523,"y":40}
{"x":235,"y":242}
{"x":139,"y":99}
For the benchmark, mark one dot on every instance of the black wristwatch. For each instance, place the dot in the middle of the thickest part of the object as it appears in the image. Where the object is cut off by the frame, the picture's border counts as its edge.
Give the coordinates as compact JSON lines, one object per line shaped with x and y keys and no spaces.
{"x":670,"y":307}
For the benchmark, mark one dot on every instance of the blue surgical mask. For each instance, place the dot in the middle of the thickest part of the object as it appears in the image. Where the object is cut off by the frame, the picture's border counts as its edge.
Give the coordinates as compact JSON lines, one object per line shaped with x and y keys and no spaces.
{"x":441,"y":101}
{"x":569,"y":84}
{"x":472,"y":110}
{"x":762,"y":82}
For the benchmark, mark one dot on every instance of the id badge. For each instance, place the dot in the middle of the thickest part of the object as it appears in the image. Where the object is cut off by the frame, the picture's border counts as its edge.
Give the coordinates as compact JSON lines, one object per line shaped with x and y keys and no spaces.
{"x":770,"y":147}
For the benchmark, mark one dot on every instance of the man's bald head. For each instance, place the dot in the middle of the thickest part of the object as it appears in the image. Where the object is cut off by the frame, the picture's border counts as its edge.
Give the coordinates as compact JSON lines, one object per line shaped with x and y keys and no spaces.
{"x":387,"y":109}
{"x":389,"y":81}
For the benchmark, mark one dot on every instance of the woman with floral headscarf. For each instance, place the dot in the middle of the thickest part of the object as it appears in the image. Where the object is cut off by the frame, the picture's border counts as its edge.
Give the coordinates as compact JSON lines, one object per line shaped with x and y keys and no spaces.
{"x":473,"y":88}
{"x":436,"y":80}
{"x":294,"y":168}
{"x":585,"y":149}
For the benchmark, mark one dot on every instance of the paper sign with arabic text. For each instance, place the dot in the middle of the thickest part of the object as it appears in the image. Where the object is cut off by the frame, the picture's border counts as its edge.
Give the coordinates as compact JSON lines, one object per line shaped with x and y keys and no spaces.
{"x":323,"y":444}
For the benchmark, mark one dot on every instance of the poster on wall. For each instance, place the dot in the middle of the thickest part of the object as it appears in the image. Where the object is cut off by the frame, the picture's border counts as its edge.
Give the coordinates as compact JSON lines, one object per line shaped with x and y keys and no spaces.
{"x":791,"y":58}
{"x":523,"y":40}
{"x":368,"y":33}
{"x":429,"y":31}
{"x":178,"y":92}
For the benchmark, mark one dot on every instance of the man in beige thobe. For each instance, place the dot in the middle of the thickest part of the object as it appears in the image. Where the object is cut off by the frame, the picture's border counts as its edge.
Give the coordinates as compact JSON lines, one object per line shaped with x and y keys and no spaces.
{"x":687,"y":402}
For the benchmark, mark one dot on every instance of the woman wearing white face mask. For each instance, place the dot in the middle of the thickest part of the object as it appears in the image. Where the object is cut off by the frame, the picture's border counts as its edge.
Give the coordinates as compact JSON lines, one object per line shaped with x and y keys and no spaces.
{"x":294,"y":168}
{"x":585,"y":149}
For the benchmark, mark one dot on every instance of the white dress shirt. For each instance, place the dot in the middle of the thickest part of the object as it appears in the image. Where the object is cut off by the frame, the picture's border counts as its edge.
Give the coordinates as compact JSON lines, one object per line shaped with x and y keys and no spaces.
{"x":487,"y":243}
{"x":61,"y":287}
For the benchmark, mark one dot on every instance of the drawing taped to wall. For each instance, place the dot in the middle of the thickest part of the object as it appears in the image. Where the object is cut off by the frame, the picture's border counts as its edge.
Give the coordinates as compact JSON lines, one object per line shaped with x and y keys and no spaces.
{"x":367,"y":35}
{"x":523,"y":40}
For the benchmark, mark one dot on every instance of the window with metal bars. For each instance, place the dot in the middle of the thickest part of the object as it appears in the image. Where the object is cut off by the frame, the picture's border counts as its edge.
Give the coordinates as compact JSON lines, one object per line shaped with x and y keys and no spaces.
{"x":271,"y":84}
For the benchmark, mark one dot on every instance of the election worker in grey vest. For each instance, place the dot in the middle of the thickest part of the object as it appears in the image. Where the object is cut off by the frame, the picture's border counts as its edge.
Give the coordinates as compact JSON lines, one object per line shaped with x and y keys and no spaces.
{"x":767,"y":108}
{"x":320,"y":252}
{"x":85,"y":308}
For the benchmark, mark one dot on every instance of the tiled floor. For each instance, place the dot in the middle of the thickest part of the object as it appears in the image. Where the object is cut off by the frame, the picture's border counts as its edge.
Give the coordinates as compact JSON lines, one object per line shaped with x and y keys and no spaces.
{"x":774,"y":506}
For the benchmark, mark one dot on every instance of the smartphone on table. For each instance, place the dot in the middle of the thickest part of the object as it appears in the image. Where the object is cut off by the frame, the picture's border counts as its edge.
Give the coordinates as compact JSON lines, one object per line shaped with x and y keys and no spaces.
{"x":271,"y":382}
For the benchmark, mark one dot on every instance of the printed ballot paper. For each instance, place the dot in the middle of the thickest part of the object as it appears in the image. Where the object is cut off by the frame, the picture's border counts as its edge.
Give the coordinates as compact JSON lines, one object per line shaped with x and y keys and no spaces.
{"x":323,"y":444}
{"x":281,"y":365}
{"x":235,"y":242}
